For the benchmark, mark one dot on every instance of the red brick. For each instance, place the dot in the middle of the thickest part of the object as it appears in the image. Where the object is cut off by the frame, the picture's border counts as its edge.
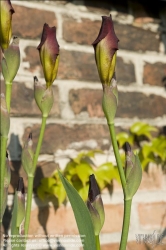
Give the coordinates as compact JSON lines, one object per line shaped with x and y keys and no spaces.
{"x":153,"y":179}
{"x":113,"y":218}
{"x":152,"y":215}
{"x":136,"y":39}
{"x":77,"y":65}
{"x":28,"y":23}
{"x":60,"y":221}
{"x":77,"y":31}
{"x":32,"y":57}
{"x":131,"y":104}
{"x":125,"y":72}
{"x":58,"y":136}
{"x":154,"y":73}
{"x":104,"y":7}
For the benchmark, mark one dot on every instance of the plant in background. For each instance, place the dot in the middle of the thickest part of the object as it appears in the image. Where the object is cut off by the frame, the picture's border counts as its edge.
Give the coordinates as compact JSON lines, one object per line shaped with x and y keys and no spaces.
{"x":147,"y":142}
{"x":77,"y":172}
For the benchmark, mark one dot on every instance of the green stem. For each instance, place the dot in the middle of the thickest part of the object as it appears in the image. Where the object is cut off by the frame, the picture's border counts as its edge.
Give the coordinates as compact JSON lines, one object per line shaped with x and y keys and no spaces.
{"x":3,"y":146}
{"x":28,"y":205}
{"x":36,"y":155}
{"x":31,"y":178}
{"x":117,"y":155}
{"x":126,"y":223}
{"x":97,"y":242}
{"x":8,"y":95}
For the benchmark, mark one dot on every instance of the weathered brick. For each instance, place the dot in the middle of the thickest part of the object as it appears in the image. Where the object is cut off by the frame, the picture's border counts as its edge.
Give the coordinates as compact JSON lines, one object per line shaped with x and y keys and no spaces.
{"x":43,"y":169}
{"x":131,"y":104}
{"x":32,"y":57}
{"x":60,"y":221}
{"x":86,"y":100}
{"x":28,"y":23}
{"x":154,"y":73}
{"x":58,"y":136}
{"x":153,"y":179}
{"x":113,"y":218}
{"x":84,"y":31}
{"x":144,"y":13}
{"x":136,"y":39}
{"x":125,"y":72}
{"x":77,"y":65}
{"x":104,"y":7}
{"x":151,"y":215}
{"x":23,"y":102}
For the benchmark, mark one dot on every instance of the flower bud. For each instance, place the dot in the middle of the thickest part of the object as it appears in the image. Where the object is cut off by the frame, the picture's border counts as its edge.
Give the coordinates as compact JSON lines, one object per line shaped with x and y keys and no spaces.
{"x":49,"y":53}
{"x":110,"y":100}
{"x":133,"y":172}
{"x":95,"y":205}
{"x":11,"y":61}
{"x":105,"y":46}
{"x":4,"y":117}
{"x":44,"y":97}
{"x":6,"y":11}
{"x":27,"y":156}
{"x":18,"y":214}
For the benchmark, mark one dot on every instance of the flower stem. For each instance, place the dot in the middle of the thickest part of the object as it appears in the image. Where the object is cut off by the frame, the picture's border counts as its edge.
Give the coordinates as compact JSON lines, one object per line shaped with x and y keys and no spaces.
{"x":97,"y":242}
{"x":126,"y":223}
{"x":36,"y":155}
{"x":117,"y":155}
{"x":31,"y":178}
{"x":8,"y":94}
{"x":3,"y":146}
{"x":28,"y":205}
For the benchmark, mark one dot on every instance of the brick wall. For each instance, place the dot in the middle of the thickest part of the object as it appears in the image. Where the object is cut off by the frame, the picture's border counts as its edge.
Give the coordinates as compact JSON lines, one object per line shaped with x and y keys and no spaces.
{"x":76,"y":121}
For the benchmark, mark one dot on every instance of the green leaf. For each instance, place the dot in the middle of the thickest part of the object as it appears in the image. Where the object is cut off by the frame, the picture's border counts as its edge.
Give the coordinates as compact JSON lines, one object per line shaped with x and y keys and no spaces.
{"x":59,"y":192}
{"x":124,"y":137}
{"x":141,"y":128}
{"x":81,"y":214}
{"x":83,"y":171}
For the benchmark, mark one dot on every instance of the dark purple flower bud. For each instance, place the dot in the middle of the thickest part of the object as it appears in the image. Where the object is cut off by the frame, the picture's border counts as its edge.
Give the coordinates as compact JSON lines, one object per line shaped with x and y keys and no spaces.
{"x":105,"y":46}
{"x":95,"y":205}
{"x":49,"y":53}
{"x":6,"y":11}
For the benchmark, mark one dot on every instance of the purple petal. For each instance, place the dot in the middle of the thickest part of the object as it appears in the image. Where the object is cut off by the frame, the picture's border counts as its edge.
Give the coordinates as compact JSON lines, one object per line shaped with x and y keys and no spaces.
{"x":107,"y":30}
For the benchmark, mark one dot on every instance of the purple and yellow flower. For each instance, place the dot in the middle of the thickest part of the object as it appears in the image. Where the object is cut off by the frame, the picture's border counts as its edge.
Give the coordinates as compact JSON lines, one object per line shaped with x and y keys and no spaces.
{"x":49,"y":54}
{"x":6,"y":11}
{"x":105,"y":46}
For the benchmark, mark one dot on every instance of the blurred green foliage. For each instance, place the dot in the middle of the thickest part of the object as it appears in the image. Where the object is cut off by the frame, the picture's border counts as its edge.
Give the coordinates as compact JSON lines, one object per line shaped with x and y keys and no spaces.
{"x":144,"y":140}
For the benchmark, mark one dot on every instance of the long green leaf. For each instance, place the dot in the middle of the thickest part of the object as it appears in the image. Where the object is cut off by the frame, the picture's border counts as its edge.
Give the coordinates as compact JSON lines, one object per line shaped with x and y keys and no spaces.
{"x":81,"y":214}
